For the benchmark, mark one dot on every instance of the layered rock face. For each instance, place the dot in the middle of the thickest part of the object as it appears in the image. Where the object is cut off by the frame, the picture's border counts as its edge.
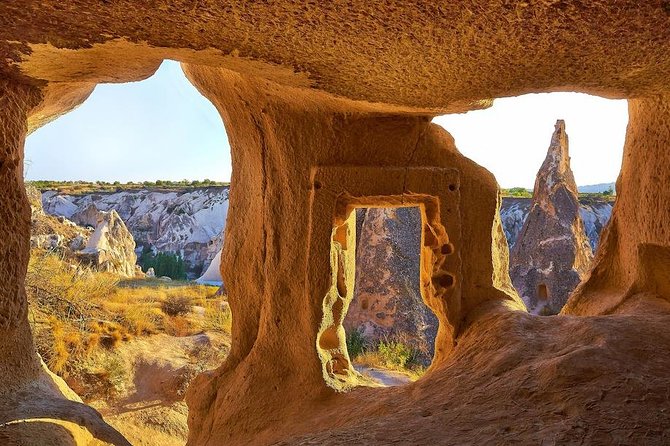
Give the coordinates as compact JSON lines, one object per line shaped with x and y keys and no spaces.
{"x":387,"y":302}
{"x":186,"y":222}
{"x":595,"y":214}
{"x":552,"y":253}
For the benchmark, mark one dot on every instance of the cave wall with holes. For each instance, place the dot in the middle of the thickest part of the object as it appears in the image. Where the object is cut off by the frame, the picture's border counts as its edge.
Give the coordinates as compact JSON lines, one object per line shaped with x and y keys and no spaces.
{"x":307,"y":86}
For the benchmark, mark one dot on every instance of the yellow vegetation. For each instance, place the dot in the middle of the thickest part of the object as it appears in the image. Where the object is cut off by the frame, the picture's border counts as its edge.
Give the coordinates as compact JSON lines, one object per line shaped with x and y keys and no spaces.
{"x":78,"y":314}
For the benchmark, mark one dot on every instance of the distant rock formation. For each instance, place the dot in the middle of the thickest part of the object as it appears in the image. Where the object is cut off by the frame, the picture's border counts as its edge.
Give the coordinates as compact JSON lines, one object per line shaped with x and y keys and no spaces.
{"x":111,"y":247}
{"x":387,"y":302}
{"x":101,"y":240}
{"x":595,"y":214}
{"x":552,"y":252}
{"x":186,"y":222}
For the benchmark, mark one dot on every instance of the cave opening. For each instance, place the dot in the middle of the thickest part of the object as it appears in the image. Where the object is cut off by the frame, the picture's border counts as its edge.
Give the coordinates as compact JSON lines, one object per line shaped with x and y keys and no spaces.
{"x":129,"y":197}
{"x":555,"y":202}
{"x":390,"y":330}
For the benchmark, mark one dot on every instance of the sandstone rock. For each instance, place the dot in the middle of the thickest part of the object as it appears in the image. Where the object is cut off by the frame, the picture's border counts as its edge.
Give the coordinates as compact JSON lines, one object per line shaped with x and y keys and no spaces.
{"x":387,"y":302}
{"x":595,"y":214}
{"x":552,"y":253}
{"x":111,"y":247}
{"x":89,"y":215}
{"x":79,"y":242}
{"x":151,"y":273}
{"x":310,"y":85}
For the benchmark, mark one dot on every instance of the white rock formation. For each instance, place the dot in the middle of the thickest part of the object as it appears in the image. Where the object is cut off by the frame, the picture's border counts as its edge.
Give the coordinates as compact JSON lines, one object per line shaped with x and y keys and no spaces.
{"x":179,"y":221}
{"x":111,"y":247}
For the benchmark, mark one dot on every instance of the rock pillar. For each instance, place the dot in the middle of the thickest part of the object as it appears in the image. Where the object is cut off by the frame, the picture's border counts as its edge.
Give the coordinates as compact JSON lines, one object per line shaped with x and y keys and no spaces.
{"x":19,"y":361}
{"x":552,"y":253}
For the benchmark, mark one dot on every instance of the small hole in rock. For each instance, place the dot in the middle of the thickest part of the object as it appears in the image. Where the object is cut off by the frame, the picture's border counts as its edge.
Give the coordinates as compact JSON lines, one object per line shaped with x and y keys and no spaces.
{"x":447,"y":249}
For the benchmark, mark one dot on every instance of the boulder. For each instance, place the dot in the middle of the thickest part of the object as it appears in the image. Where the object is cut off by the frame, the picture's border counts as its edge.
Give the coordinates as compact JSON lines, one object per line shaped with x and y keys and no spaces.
{"x":47,"y":241}
{"x":111,"y":246}
{"x":552,"y":253}
{"x":151,"y":273}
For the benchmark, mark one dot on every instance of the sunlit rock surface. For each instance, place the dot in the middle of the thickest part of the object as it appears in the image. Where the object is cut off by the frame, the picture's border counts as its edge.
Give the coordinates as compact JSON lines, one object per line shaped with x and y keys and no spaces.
{"x":595,"y":214}
{"x":111,"y":247}
{"x":552,"y":253}
{"x":186,"y":222}
{"x":387,"y":303}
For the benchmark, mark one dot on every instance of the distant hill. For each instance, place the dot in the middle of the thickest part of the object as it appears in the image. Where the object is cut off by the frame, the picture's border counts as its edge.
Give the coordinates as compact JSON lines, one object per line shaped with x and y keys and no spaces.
{"x":596,"y":188}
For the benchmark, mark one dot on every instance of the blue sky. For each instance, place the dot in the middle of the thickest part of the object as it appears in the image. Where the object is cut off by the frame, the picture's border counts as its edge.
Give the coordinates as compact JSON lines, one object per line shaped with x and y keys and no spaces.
{"x":162,"y":128}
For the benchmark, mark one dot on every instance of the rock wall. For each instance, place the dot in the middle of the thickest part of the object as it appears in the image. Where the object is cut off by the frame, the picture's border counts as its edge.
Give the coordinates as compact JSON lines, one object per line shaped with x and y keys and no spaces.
{"x":387,"y":303}
{"x":552,"y":253}
{"x":188,"y":222}
{"x":630,"y":268}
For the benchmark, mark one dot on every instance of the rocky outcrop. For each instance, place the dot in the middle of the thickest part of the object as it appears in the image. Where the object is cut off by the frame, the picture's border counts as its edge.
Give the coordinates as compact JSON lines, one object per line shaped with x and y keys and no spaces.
{"x":387,"y":302}
{"x":99,"y":240}
{"x":552,"y":253}
{"x":111,"y":247}
{"x":189,"y":222}
{"x":595,"y":214}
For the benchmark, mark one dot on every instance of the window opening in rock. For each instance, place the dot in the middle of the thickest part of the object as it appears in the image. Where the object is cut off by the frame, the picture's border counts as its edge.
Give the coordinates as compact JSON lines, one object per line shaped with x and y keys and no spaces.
{"x":542,"y":292}
{"x":552,"y":217}
{"x":389,"y":330}
{"x":106,"y":191}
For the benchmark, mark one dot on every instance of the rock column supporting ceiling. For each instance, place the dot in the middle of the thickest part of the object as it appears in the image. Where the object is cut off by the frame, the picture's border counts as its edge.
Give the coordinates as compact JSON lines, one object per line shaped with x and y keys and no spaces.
{"x":273,"y":259}
{"x":19,"y":361}
{"x":632,"y":264}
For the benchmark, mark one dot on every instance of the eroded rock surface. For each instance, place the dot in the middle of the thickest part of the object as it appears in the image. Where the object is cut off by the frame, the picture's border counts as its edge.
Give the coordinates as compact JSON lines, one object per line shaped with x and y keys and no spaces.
{"x":552,"y":253}
{"x":111,"y":246}
{"x":595,"y":214}
{"x":187,"y":222}
{"x":387,"y":303}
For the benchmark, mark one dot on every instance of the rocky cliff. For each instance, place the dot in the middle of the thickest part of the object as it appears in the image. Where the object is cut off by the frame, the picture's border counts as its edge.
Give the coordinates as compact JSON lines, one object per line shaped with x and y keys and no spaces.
{"x":595,"y":214}
{"x":188,"y":222}
{"x":552,"y":253}
{"x":98,"y":239}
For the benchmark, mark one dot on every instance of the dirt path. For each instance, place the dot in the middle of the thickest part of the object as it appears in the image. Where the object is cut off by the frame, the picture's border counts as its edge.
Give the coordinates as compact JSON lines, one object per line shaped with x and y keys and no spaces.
{"x":387,"y":378}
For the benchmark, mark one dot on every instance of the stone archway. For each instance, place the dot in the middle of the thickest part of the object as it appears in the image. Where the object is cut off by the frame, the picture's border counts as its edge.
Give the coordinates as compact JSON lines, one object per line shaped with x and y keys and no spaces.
{"x":311,"y":85}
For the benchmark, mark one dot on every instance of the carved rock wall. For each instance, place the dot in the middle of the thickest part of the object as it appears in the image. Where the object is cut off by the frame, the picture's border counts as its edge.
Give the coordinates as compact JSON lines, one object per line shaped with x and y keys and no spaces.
{"x":278,"y":136}
{"x":631,"y":264}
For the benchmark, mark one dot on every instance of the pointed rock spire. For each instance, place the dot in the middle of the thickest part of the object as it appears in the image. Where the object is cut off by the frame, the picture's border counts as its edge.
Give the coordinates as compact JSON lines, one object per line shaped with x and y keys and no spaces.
{"x":552,"y":253}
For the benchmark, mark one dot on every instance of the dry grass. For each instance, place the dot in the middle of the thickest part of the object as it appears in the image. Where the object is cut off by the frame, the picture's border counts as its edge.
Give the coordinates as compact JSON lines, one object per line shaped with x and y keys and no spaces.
{"x":77,"y":313}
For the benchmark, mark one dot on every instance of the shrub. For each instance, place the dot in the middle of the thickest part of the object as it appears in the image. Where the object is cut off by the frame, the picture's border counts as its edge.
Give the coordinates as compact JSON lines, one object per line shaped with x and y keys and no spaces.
{"x":395,"y":354}
{"x":176,"y":306}
{"x":177,"y":326}
{"x":356,"y":344}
